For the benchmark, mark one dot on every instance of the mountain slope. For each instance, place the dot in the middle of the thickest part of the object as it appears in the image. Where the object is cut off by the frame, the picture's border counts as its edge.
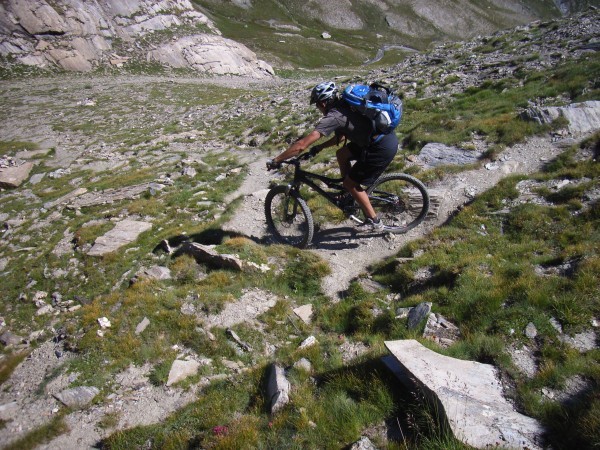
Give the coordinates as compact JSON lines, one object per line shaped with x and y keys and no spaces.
{"x":80,"y":36}
{"x":291,"y":31}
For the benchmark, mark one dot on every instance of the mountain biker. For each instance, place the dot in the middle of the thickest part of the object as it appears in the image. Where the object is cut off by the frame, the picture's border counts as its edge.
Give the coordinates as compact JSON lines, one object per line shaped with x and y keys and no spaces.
{"x":372,"y":152}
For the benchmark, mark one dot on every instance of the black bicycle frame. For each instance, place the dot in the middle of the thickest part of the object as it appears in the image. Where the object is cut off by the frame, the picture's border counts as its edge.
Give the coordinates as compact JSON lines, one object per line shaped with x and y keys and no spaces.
{"x":304,"y":177}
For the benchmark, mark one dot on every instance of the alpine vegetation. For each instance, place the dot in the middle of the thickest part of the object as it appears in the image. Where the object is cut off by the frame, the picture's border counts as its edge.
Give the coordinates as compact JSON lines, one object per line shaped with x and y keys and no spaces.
{"x":146,"y":304}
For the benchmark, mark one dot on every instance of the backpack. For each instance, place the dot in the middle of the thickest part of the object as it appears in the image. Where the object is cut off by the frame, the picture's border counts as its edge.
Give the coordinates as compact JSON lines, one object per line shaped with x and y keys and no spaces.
{"x":377,"y":102}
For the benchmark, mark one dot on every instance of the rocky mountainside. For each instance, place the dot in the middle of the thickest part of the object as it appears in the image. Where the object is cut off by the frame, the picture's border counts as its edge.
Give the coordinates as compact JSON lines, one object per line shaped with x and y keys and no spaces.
{"x":98,"y":312}
{"x":80,"y":36}
{"x":352,"y":32}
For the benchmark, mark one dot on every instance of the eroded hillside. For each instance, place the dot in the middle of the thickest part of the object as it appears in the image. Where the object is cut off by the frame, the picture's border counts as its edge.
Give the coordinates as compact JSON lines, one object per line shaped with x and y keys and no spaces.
{"x":114,"y":334}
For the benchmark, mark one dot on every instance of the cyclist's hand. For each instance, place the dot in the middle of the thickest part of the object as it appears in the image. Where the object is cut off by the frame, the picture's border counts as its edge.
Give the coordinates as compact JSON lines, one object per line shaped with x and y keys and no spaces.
{"x":272,"y":165}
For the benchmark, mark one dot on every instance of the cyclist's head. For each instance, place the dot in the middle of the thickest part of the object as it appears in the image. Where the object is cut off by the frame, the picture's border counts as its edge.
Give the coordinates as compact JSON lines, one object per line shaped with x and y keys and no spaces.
{"x":323,"y":92}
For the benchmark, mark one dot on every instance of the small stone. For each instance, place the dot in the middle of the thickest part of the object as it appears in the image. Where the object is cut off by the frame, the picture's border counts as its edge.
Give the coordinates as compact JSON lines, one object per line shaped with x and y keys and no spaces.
{"x":417,"y":314}
{"x":7,"y":339}
{"x":188,"y":309}
{"x":278,"y":389}
{"x":181,"y":369}
{"x":556,"y":325}
{"x":364,"y":443}
{"x":303,"y":364}
{"x":46,"y":309}
{"x":142,"y":326}
{"x":305,"y":313}
{"x":104,"y":323}
{"x":77,"y":397}
{"x":8,"y":410}
{"x":311,"y":340}
{"x":402,"y":313}
{"x":530,"y":331}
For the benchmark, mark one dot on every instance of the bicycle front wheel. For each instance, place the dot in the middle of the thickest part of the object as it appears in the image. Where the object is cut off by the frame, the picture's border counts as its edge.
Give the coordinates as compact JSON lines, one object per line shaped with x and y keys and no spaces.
{"x":401,"y":201}
{"x":288,"y":217}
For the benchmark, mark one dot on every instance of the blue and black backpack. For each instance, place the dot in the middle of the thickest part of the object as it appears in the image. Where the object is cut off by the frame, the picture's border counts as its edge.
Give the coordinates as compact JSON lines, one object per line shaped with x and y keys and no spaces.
{"x":377,"y":102}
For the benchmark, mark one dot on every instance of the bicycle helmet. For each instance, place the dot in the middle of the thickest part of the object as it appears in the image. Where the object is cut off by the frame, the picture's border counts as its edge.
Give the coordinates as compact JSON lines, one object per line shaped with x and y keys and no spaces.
{"x":323,"y":92}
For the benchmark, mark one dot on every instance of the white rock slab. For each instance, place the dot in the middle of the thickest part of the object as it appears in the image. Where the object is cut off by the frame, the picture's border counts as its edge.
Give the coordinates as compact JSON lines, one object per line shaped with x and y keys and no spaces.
{"x":123,"y":233}
{"x":12,"y":177}
{"x":469,"y":395}
{"x":77,"y":397}
{"x":304,"y":312}
{"x":181,"y":369}
{"x":278,"y":389}
{"x":142,"y":326}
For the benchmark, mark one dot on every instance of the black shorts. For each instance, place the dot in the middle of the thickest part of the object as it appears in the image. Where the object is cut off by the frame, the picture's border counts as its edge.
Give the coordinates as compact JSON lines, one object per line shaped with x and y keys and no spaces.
{"x":371,"y":161}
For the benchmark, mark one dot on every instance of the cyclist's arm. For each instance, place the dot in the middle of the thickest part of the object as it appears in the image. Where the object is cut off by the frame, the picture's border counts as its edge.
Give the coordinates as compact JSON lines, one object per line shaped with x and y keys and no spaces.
{"x":335,"y":140}
{"x":299,"y":146}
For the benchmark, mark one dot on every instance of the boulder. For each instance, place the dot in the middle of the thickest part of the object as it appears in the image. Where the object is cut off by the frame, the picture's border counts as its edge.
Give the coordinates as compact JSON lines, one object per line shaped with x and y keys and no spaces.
{"x":434,"y":155}
{"x":123,"y":233}
{"x":207,"y":255}
{"x":278,"y":389}
{"x":211,"y":54}
{"x":581,"y":117}
{"x":14,"y":176}
{"x":304,"y":312}
{"x":468,"y":395}
{"x":77,"y":397}
{"x":181,"y":369}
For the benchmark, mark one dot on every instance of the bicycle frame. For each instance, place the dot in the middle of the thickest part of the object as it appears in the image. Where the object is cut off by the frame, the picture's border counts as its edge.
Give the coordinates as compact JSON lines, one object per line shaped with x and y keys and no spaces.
{"x":308,"y":178}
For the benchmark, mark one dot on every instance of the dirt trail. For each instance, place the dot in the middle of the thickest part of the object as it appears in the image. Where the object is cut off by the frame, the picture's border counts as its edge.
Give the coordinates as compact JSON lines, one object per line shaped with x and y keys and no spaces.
{"x":350,"y":254}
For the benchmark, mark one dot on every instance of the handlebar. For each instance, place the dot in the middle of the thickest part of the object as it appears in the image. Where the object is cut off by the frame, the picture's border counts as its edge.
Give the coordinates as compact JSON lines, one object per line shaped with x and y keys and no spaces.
{"x":271,"y":165}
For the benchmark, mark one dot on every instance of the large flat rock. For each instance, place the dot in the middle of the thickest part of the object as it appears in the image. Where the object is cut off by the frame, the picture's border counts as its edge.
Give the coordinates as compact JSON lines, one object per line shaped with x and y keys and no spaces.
{"x":12,"y":177}
{"x":469,"y":395}
{"x":123,"y":233}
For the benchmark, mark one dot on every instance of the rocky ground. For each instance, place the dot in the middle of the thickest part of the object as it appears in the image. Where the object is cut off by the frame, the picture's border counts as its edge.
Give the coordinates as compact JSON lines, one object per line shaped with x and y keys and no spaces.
{"x":348,"y":253}
{"x":55,"y":113}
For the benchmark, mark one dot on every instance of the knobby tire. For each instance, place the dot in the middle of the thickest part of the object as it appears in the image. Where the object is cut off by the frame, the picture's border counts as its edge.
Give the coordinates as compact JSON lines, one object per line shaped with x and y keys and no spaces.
{"x":401,"y":201}
{"x":288,"y":217}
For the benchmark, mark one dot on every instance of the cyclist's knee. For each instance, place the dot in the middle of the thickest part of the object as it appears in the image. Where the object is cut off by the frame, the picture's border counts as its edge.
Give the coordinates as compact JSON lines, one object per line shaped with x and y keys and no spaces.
{"x":350,"y":184}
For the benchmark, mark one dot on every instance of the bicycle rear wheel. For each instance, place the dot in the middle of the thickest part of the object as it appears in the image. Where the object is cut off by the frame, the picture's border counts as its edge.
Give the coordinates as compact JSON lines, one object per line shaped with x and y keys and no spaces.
{"x":288,"y":217}
{"x":401,"y":201}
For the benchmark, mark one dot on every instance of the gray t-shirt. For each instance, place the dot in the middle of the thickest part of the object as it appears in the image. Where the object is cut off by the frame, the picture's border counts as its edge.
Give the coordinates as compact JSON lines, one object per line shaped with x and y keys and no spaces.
{"x":342,"y":121}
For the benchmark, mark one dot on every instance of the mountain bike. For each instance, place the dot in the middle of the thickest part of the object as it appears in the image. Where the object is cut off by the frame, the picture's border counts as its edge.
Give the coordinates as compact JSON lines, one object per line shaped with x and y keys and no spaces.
{"x":400,"y":200}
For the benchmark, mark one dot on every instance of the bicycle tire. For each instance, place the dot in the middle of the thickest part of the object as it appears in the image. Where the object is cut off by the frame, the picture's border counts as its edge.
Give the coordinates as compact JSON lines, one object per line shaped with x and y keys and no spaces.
{"x":401,"y":201}
{"x":289,"y":217}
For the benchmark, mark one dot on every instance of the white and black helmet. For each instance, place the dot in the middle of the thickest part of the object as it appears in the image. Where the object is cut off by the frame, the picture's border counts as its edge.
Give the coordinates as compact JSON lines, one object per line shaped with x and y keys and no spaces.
{"x":323,"y":92}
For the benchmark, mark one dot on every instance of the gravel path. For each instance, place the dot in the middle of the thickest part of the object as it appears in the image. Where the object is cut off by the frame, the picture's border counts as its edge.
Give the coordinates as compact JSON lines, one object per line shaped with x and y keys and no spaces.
{"x":349,"y":253}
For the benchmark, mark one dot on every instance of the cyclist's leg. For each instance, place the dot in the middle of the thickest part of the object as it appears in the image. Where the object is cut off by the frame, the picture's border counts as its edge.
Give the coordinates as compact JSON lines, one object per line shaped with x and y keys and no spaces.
{"x":361,"y":197}
{"x":368,"y":168}
{"x":344,"y":157}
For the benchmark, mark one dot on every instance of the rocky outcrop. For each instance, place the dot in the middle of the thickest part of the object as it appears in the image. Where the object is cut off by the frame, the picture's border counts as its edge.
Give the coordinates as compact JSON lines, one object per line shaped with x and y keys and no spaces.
{"x":78,"y":36}
{"x":581,"y":117}
{"x":12,"y":176}
{"x":212,"y":54}
{"x":468,"y":396}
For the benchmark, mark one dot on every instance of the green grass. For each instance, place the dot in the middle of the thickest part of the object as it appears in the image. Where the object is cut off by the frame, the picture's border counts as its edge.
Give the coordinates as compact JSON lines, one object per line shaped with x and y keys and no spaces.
{"x":11,"y":147}
{"x":9,"y":363}
{"x":346,"y":48}
{"x":55,"y":427}
{"x":490,"y":110}
{"x":486,"y":281}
